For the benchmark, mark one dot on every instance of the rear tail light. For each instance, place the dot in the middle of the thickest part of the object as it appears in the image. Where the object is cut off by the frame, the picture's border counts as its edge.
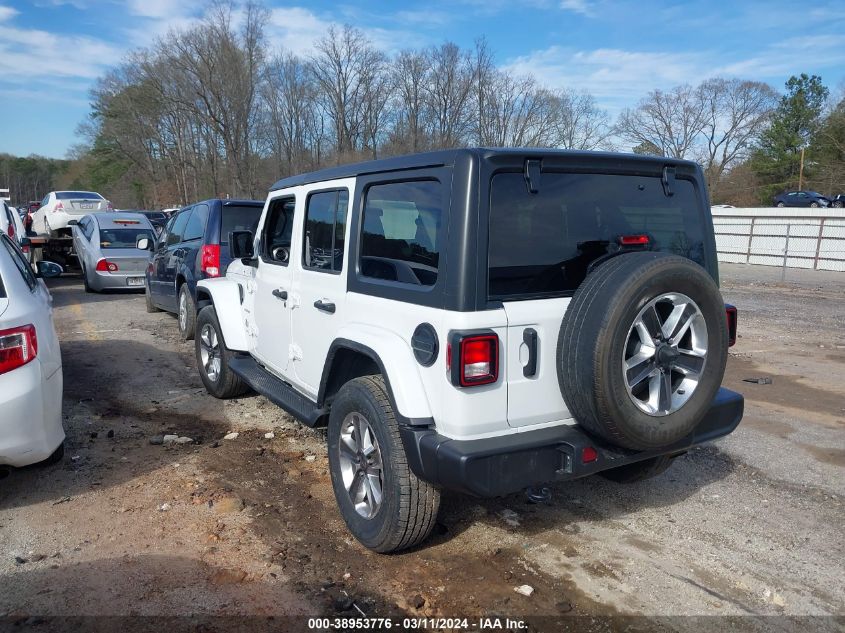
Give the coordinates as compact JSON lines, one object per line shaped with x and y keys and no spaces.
{"x":109,"y":206}
{"x":10,"y":230}
{"x":18,"y":346}
{"x":210,"y":260}
{"x":59,"y":207}
{"x":730,"y":312}
{"x":105,"y":266}
{"x":633,"y":240}
{"x":473,"y":359}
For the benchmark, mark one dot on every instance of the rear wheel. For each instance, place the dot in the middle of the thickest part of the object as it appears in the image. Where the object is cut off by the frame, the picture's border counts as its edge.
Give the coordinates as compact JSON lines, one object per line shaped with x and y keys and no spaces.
{"x":213,"y":358}
{"x":814,"y":205}
{"x":85,"y":283}
{"x":187,"y":313}
{"x":384,"y":504}
{"x":780,"y":204}
{"x":56,"y":456}
{"x":148,"y":299}
{"x":838,"y":204}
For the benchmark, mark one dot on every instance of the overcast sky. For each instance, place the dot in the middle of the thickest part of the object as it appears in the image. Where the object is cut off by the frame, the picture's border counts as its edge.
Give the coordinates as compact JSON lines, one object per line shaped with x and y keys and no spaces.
{"x":51,"y":51}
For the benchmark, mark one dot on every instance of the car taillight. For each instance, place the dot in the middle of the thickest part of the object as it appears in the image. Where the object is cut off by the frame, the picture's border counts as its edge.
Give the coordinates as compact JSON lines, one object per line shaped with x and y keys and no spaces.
{"x":105,"y":266}
{"x":18,"y":346}
{"x":589,"y":455}
{"x":473,"y":359}
{"x":59,"y":207}
{"x":109,"y":206}
{"x":730,"y":312}
{"x":10,"y":230}
{"x":210,"y":260}
{"x":633,"y":240}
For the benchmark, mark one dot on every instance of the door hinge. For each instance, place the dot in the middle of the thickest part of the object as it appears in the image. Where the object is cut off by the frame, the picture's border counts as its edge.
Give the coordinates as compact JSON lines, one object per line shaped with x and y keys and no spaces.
{"x":294,"y":352}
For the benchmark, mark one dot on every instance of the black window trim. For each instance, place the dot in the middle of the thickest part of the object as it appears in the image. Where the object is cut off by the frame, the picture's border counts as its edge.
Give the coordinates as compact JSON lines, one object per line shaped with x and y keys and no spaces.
{"x":271,"y":202}
{"x":431,"y":296}
{"x":336,"y":189}
{"x":187,"y":211}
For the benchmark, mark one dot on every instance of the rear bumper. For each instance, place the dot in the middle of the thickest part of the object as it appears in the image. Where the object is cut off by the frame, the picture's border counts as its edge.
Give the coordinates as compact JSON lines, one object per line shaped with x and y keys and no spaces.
{"x":30,"y":415}
{"x":497,"y":466}
{"x":115,"y":281}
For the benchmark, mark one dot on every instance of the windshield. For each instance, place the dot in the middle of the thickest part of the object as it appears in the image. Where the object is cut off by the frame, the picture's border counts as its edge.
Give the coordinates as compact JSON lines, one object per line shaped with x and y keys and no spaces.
{"x":238,"y":218}
{"x":73,"y":195}
{"x":542,"y":244}
{"x":123,"y":238}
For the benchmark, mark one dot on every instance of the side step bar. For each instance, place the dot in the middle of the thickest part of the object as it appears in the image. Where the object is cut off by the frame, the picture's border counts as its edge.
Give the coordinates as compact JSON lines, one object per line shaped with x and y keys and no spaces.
{"x":277,"y":390}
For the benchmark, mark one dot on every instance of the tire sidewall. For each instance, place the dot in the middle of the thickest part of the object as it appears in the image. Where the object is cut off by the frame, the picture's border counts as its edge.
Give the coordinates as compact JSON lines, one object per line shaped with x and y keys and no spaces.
{"x":372,"y":532}
{"x":190,"y":313}
{"x":208,"y":316}
{"x":676,"y":275}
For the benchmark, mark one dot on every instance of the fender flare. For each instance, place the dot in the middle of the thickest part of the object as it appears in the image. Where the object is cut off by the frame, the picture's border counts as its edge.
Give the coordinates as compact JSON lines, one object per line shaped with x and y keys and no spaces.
{"x":401,"y":372}
{"x":226,"y":299}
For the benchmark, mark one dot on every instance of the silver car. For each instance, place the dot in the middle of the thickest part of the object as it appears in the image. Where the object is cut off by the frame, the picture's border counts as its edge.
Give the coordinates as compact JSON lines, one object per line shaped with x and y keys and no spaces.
{"x":106,"y":245}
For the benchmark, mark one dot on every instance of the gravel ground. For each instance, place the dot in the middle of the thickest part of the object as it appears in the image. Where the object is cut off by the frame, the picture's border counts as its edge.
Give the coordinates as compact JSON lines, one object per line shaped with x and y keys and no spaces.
{"x":750,"y":525}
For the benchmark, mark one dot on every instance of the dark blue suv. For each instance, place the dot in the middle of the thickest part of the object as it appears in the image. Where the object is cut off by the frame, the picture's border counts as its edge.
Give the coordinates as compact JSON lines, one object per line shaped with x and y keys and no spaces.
{"x":194,"y":245}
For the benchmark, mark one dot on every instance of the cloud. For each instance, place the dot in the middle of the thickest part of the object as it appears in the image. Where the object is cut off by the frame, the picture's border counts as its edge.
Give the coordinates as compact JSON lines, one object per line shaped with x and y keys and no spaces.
{"x":7,"y":13}
{"x":581,"y":7}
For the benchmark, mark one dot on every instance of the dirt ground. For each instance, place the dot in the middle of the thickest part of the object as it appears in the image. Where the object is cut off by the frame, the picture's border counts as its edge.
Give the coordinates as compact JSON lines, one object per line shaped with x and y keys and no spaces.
{"x":751,"y":525}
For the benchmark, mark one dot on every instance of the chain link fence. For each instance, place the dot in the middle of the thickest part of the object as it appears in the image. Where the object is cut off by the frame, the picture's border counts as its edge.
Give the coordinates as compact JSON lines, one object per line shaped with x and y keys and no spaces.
{"x":816,"y":243}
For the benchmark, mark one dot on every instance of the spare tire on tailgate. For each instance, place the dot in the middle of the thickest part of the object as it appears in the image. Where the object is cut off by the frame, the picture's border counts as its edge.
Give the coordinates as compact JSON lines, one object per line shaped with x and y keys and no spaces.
{"x":642,"y":349}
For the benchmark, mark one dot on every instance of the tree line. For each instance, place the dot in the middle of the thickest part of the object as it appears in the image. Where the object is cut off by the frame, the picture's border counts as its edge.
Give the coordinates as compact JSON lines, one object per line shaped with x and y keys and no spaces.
{"x":215,"y":109}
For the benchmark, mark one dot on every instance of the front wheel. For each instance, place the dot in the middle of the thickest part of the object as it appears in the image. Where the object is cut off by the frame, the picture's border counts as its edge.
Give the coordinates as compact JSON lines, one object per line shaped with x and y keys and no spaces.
{"x":213,"y":358}
{"x":780,"y":205}
{"x":814,"y":205}
{"x":838,"y":204}
{"x":384,"y":504}
{"x":187,"y":314}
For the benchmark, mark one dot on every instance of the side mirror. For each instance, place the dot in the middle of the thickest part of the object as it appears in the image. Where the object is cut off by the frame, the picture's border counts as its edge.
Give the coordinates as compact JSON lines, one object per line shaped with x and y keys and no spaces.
{"x":144,"y":244}
{"x":48,"y":270}
{"x":72,"y":222}
{"x":240,"y":245}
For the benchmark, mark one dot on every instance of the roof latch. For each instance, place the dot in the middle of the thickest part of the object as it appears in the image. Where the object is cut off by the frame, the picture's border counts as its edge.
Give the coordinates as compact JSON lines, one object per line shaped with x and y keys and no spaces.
{"x":669,"y":180}
{"x":532,"y":174}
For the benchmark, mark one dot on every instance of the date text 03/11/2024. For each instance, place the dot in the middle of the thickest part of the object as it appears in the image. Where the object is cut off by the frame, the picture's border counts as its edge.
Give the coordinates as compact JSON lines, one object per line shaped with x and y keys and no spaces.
{"x":481,"y":624}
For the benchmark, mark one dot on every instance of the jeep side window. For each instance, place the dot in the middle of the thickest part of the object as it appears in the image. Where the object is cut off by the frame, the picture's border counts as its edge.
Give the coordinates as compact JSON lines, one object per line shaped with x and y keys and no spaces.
{"x":325,"y":230}
{"x":195,"y":228}
{"x":278,"y":228}
{"x":400,"y":230}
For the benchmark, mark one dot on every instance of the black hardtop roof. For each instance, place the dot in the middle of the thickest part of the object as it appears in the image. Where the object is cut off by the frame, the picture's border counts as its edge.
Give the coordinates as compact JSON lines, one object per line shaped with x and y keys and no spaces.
{"x":225,"y":201}
{"x":449,"y":157}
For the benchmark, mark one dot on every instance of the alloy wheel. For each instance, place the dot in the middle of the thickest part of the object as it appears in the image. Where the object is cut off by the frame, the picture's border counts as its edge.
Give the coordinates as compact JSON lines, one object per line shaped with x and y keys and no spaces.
{"x":665,"y":354}
{"x":361,"y":465}
{"x":183,"y":311}
{"x":210,"y":352}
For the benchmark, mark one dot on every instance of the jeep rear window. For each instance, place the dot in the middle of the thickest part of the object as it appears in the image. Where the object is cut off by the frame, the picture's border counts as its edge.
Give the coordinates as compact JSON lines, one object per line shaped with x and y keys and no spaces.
{"x":400,"y":232}
{"x":542,"y":244}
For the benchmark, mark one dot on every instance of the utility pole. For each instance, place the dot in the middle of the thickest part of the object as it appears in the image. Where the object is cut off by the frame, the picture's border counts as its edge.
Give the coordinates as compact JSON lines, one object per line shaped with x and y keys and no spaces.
{"x":801,"y":172}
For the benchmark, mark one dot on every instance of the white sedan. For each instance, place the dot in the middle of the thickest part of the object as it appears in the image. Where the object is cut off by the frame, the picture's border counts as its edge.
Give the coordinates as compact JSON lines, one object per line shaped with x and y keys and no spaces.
{"x":60,"y":207}
{"x":30,"y":363}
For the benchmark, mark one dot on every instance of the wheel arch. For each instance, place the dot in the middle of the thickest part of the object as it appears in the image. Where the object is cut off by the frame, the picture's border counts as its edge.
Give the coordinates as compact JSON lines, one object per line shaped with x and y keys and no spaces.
{"x":225,"y":296}
{"x":348,"y":359}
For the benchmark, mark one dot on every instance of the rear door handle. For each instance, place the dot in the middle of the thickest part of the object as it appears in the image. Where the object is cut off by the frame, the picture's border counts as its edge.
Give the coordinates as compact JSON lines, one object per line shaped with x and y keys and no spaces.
{"x":324,"y":306}
{"x":529,"y":337}
{"x":280,"y":294}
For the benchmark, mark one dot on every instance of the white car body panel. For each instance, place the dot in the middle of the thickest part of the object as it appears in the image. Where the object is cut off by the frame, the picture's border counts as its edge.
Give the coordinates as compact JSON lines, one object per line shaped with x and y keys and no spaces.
{"x":49,"y":218}
{"x":30,"y":395}
{"x":225,"y":295}
{"x":9,"y":215}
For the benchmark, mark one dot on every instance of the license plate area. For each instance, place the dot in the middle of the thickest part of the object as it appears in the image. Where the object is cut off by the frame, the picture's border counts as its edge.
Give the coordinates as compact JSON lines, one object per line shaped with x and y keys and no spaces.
{"x":85,"y":205}
{"x":134,"y":281}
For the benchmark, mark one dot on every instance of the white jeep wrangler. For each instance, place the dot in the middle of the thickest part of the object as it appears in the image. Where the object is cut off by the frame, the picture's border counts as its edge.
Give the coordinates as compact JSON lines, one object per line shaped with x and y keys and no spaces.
{"x":479,"y":320}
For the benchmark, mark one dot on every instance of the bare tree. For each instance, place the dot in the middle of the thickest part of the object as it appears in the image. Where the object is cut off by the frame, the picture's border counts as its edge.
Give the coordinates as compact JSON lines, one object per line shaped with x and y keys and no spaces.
{"x":578,"y":121}
{"x":735,"y":113}
{"x":448,"y":94}
{"x":671,"y":121}
{"x":413,"y":114}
